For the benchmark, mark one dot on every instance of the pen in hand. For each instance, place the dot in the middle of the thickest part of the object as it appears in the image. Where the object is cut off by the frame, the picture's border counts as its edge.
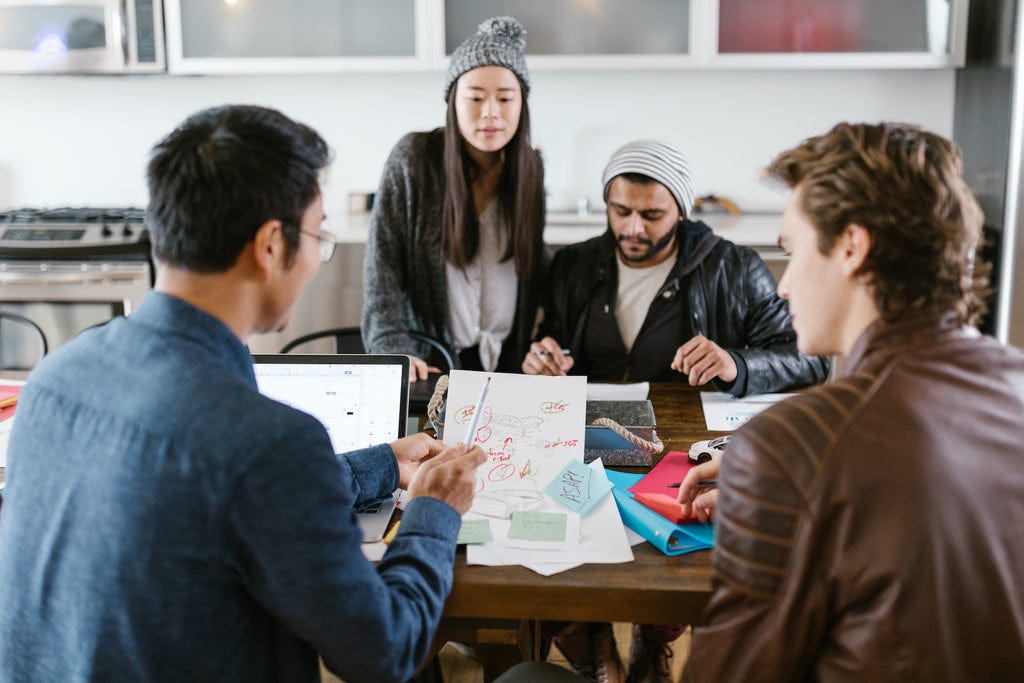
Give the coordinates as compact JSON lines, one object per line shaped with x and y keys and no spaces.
{"x":542,"y":352}
{"x":475,"y":420}
{"x":702,"y":482}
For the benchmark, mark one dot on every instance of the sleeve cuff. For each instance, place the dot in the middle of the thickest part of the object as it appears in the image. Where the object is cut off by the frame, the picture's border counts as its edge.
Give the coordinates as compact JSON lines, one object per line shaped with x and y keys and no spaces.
{"x":426,"y":516}
{"x":375,"y":471}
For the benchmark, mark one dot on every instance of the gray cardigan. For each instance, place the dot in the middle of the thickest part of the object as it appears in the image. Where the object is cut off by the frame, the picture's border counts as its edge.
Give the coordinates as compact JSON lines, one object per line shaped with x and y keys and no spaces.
{"x":404,"y":281}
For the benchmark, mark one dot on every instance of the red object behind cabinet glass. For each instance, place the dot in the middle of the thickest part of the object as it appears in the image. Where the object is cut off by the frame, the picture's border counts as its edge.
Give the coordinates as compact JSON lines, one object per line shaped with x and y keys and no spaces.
{"x":791,"y":25}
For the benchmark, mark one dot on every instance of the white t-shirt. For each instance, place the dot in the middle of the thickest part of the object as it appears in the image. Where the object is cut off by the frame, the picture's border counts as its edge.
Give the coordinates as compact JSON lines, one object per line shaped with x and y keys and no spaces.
{"x":482,"y":298}
{"x":637,"y":289}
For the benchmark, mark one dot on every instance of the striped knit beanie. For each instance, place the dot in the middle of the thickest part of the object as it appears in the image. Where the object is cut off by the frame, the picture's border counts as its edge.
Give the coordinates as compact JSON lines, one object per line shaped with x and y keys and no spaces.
{"x":658,"y":161}
{"x":499,"y":41}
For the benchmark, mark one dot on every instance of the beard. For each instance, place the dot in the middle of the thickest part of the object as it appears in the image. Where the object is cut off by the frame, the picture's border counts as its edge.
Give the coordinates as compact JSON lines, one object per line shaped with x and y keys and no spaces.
{"x":653,"y":247}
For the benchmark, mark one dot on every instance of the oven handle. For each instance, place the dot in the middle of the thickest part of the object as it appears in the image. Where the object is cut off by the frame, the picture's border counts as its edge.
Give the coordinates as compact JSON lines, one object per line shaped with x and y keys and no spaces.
{"x":43,"y":278}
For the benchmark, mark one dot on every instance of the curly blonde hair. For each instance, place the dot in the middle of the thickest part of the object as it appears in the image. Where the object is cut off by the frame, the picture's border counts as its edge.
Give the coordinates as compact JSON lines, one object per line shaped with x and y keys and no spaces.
{"x":905,"y":186}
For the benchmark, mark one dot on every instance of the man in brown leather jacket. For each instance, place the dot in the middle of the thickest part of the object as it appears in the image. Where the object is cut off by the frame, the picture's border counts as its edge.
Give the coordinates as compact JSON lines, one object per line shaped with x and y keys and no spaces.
{"x":869,"y":530}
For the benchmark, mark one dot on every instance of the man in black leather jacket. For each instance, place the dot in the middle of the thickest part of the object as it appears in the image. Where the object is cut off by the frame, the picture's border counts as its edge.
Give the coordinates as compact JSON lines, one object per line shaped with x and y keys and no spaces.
{"x":660,"y":297}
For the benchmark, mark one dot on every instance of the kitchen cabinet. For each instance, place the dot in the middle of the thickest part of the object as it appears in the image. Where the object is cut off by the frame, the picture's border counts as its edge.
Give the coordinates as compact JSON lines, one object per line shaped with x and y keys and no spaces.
{"x":588,"y":35}
{"x":247,"y":36}
{"x":837,"y":33}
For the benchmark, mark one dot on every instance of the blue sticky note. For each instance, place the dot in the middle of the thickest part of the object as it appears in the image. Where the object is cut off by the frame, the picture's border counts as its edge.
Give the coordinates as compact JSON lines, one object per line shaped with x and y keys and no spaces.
{"x":577,"y":488}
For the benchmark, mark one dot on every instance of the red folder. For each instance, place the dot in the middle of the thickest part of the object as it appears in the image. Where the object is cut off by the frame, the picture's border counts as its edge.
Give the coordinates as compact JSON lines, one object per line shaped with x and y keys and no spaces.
{"x":8,"y":400}
{"x":654,"y":490}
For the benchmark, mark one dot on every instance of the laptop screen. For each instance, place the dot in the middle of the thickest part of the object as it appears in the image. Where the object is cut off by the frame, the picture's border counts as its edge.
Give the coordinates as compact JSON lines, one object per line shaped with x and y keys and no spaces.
{"x":362,"y":400}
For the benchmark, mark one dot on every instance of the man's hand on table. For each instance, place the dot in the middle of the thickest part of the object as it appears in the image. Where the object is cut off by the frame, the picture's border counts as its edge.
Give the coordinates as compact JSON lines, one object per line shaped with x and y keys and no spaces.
{"x":702,"y":360}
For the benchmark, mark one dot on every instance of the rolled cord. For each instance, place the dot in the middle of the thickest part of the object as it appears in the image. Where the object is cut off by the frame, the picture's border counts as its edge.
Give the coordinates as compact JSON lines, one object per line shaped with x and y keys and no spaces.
{"x":652,"y":446}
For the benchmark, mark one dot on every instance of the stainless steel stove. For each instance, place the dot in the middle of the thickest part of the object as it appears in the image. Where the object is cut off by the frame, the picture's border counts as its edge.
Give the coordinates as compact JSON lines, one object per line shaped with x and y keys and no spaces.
{"x":68,"y":269}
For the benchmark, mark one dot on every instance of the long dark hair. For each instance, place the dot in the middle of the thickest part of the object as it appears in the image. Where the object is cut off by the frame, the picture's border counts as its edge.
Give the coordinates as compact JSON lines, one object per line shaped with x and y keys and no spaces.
{"x":521,"y":192}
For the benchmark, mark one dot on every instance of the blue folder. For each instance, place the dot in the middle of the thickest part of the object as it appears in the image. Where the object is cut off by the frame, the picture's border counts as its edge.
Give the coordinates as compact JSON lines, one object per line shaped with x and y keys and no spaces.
{"x":669,"y":538}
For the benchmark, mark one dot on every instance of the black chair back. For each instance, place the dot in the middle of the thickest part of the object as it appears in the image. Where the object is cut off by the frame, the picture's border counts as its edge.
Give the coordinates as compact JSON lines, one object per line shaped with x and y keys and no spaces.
{"x":346,"y":340}
{"x":350,"y":340}
{"x":22,"y":342}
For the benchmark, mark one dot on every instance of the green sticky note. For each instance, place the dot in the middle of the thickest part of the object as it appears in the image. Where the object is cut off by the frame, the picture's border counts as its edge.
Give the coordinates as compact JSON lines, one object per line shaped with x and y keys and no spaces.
{"x":475,"y":531}
{"x":538,"y":526}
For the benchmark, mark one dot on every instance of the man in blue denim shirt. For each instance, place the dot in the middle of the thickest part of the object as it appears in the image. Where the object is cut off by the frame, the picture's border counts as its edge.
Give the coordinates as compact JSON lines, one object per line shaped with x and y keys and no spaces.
{"x":162,"y":519}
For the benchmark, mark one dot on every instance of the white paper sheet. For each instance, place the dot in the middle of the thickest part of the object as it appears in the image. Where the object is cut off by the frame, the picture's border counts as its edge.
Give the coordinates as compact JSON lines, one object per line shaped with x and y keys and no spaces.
{"x":602,"y":541}
{"x":618,"y":392}
{"x":528,"y":426}
{"x":5,"y":436}
{"x":374,"y":551}
{"x":723,"y":413}
{"x":8,"y":424}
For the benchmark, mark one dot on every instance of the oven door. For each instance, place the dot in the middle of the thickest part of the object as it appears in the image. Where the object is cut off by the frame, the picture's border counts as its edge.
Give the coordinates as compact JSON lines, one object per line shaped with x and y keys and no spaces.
{"x":64,"y":299}
{"x":83,"y":36}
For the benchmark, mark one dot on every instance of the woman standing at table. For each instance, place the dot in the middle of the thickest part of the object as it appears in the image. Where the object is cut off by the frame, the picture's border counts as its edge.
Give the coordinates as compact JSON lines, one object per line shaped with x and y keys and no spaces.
{"x":455,"y":249}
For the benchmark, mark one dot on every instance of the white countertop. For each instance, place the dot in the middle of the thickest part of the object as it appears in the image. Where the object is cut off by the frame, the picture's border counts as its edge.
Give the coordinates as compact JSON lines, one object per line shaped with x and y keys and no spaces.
{"x":752,"y":229}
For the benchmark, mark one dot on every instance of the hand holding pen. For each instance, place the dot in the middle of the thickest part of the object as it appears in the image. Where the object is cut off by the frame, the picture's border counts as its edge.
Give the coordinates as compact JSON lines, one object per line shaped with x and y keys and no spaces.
{"x":695,"y":492}
{"x":548,"y":357}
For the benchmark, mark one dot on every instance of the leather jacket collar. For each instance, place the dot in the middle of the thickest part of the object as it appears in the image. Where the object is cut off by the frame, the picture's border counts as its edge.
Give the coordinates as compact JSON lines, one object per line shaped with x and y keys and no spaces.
{"x":881,"y":339}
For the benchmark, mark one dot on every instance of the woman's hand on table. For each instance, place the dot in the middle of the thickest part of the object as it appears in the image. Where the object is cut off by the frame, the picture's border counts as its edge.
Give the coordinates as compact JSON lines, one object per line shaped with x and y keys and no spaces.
{"x":420,"y":369}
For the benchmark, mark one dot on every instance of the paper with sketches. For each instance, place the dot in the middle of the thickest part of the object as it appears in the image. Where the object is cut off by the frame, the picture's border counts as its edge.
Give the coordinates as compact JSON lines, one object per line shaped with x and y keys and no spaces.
{"x":601,"y":538}
{"x":528,"y":427}
{"x":578,"y":488}
{"x":723,"y":413}
{"x":618,"y":392}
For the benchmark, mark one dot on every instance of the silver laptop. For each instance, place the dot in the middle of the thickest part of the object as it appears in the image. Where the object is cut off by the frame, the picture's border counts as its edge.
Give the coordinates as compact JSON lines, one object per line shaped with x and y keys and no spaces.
{"x":361,"y":400}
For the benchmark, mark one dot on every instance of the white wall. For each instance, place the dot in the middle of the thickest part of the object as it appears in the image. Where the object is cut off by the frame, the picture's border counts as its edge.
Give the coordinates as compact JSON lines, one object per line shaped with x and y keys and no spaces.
{"x":84,"y":140}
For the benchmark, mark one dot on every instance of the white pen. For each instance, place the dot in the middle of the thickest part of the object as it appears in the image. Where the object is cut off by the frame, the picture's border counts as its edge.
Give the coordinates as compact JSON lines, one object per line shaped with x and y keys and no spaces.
{"x":475,"y":420}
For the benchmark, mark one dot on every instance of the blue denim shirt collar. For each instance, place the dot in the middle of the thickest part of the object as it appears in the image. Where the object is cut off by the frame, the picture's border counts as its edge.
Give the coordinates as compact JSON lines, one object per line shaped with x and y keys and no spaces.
{"x":178,"y":318}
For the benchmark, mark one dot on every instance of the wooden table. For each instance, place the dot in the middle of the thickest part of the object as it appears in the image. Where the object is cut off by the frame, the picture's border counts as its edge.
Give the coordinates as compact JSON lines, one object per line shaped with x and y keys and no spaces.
{"x":652,"y":589}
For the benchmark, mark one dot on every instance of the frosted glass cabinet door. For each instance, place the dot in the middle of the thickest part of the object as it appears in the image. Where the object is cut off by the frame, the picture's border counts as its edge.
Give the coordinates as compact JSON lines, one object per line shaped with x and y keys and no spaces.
{"x":836,"y":26}
{"x":581,"y":27}
{"x":241,"y":29}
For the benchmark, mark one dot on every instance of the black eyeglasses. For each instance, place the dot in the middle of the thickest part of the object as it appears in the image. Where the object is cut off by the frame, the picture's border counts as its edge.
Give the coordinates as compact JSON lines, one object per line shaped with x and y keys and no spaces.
{"x":326,"y":243}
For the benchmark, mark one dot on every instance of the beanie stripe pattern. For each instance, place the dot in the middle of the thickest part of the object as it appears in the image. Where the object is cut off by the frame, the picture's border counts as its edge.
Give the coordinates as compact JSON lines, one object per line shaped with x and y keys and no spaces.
{"x":656,"y":160}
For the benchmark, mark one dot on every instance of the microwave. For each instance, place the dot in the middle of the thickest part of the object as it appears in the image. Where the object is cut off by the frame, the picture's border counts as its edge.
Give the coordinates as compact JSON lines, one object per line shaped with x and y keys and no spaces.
{"x":81,"y":36}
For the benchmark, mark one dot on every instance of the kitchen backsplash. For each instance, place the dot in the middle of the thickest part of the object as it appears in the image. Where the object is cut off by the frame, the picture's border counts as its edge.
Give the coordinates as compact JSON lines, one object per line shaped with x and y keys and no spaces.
{"x":84,"y":141}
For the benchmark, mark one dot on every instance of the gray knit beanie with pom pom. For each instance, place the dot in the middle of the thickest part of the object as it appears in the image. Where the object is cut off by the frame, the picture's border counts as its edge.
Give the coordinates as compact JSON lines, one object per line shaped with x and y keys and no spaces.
{"x":499,"y":41}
